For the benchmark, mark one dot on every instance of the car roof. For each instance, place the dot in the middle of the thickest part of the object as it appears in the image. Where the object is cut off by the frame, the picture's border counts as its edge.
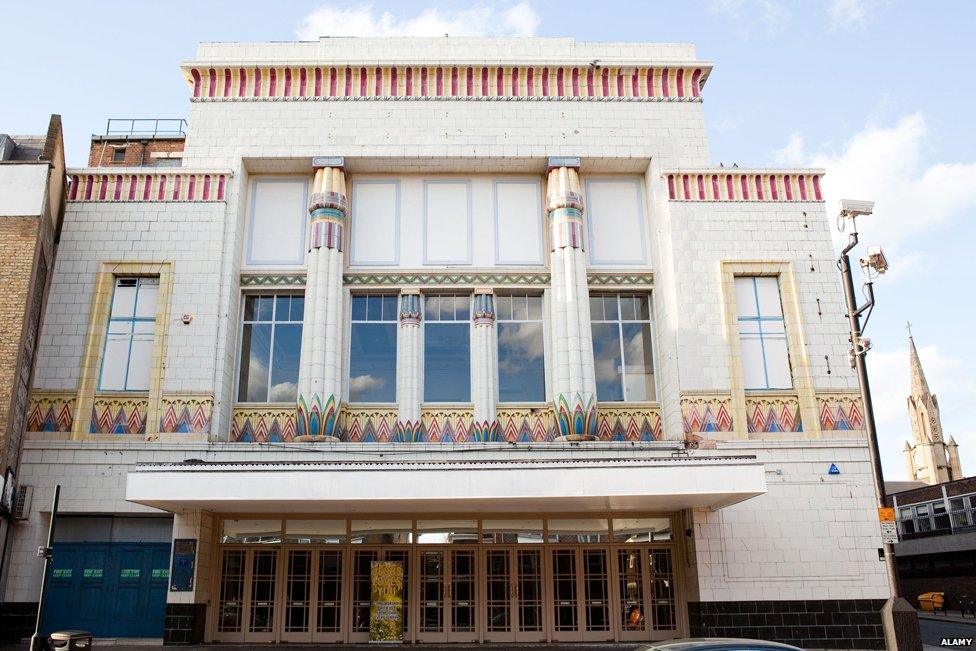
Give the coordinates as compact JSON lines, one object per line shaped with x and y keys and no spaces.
{"x":715,"y":644}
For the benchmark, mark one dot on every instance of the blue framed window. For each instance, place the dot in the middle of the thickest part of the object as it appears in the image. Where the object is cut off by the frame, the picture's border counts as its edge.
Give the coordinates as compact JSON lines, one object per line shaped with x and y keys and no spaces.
{"x":521,"y":358}
{"x":373,"y":349}
{"x":447,"y":348}
{"x":622,"y":351}
{"x":271,"y":348}
{"x":127,"y":358}
{"x":762,"y":333}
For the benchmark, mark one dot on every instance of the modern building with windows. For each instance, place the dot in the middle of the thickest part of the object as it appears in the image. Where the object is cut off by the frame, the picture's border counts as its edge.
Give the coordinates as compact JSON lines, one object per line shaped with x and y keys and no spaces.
{"x":480,"y":306}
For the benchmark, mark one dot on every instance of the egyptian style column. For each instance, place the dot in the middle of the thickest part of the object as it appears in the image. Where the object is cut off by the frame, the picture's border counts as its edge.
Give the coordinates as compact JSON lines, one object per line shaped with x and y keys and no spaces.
{"x":320,"y":370}
{"x":574,"y":383}
{"x":408,"y":428}
{"x":484,"y":388}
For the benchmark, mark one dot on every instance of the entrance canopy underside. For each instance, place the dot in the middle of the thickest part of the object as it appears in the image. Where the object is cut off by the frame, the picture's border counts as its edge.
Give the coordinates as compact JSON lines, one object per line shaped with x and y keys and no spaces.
{"x":586,"y":484}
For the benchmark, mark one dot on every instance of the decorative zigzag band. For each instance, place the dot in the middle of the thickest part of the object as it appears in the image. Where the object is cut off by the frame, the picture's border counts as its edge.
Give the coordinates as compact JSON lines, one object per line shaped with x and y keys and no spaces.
{"x":409,"y":432}
{"x":326,"y":233}
{"x":485,"y":431}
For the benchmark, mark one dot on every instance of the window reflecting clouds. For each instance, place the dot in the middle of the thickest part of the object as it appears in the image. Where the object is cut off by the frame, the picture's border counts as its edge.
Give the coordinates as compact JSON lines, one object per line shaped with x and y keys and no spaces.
{"x":622,"y":351}
{"x":447,"y":348}
{"x":271,"y":347}
{"x":521,"y":358}
{"x":373,"y":349}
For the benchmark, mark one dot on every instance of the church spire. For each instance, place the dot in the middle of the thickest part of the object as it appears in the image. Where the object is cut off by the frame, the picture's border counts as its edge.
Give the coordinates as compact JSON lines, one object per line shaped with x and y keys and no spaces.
{"x":929,"y":457}
{"x":920,"y":387}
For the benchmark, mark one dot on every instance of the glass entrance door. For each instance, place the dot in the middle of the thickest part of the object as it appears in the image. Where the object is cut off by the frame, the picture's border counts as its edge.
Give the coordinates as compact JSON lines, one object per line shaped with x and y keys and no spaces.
{"x":361,"y":588}
{"x":645,"y":603}
{"x":580,"y":593}
{"x":447,"y":580}
{"x":261,"y":597}
{"x":513,"y":602}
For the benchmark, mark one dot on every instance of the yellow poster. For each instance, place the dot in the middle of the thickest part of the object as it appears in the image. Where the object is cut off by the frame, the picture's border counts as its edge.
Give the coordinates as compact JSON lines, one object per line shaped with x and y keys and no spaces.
{"x":386,"y":602}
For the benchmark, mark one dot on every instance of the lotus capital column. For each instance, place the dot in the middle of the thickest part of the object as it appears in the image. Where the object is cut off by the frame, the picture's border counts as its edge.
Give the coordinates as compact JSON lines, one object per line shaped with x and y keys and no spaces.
{"x":574,"y":380}
{"x":320,"y":369}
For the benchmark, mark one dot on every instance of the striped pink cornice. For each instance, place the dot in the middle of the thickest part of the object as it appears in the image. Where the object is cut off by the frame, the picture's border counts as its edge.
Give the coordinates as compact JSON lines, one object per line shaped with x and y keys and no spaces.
{"x":726,"y":184}
{"x":225,"y":83}
{"x":101,"y":184}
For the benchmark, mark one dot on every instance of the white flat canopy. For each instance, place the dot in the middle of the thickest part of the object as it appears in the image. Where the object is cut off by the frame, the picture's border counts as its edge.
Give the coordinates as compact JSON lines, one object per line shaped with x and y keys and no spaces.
{"x":597,"y":484}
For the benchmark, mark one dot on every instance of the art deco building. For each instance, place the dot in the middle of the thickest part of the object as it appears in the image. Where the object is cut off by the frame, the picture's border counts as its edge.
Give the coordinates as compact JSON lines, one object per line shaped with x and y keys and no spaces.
{"x":480,"y":306}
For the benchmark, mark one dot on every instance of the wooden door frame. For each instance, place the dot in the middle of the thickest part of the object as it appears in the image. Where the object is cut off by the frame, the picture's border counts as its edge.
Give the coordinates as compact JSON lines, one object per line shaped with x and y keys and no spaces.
{"x":341,"y":634}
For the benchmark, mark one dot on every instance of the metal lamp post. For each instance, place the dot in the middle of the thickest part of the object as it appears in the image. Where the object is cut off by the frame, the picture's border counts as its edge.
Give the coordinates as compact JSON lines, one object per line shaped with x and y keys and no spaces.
{"x":898,"y":616}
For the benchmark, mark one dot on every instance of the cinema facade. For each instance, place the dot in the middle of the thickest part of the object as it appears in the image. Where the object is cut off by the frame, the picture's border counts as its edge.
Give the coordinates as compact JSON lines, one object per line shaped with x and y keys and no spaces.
{"x":480,"y":306}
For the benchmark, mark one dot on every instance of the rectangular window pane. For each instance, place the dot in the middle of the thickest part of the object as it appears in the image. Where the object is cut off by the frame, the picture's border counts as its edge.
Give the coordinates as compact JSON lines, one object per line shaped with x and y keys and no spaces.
{"x":297,"y":312}
{"x":638,"y":530}
{"x":374,"y":308}
{"x":521,"y":363}
{"x":124,"y":298}
{"x":380,"y":531}
{"x":359,"y":308}
{"x":777,"y":362}
{"x":745,"y":297}
{"x":638,"y":367}
{"x":285,"y":360}
{"x":315,"y":531}
{"x":372,"y":362}
{"x":255,"y":362}
{"x":146,"y":298}
{"x":767,"y":288}
{"x":511,"y":531}
{"x":584,"y":530}
{"x":251,"y":531}
{"x":114,"y":363}
{"x":606,"y":355}
{"x":437,"y":532}
{"x":140,"y":361}
{"x":753,"y":370}
{"x":447,"y":362}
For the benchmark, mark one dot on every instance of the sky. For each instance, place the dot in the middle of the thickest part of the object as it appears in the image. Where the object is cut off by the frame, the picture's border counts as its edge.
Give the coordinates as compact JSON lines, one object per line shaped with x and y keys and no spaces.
{"x":872,"y":90}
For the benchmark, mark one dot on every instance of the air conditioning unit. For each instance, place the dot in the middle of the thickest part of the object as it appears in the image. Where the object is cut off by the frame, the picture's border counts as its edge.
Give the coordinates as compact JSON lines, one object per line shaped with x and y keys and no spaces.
{"x":22,"y":502}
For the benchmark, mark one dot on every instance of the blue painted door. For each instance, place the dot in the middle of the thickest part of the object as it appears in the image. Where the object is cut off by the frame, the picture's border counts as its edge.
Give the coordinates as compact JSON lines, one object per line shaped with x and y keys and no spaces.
{"x":110,"y":589}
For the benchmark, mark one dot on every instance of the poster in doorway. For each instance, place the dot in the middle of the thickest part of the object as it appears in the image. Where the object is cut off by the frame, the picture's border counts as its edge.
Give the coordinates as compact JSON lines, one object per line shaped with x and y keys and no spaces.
{"x":386,"y":602}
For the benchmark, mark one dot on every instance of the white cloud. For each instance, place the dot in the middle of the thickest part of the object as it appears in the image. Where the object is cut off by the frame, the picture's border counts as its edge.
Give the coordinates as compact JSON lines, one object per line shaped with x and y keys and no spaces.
{"x":747,"y":18}
{"x":885,"y":164}
{"x":362,"y":383}
{"x":483,"y":19}
{"x":850,"y":14}
{"x":793,"y":153}
{"x":948,"y":377}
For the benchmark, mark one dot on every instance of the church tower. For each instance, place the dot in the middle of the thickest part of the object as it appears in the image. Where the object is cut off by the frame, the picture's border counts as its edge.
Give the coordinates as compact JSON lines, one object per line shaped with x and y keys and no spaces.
{"x":930,"y":459}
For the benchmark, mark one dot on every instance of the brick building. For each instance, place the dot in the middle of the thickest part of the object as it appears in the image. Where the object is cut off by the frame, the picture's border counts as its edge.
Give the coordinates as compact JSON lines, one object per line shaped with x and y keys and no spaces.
{"x":481,"y":307}
{"x":32,"y":204}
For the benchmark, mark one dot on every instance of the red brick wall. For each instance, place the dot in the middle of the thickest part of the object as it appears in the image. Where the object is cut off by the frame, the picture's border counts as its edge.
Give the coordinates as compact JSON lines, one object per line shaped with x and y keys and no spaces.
{"x":137,"y":152}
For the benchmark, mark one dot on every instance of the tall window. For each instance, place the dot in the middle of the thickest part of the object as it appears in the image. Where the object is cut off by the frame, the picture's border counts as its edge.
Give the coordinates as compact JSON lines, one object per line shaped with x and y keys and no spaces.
{"x":521,"y":363}
{"x":447,"y":348}
{"x":271,"y":348}
{"x":129,"y":340}
{"x":762,"y":333}
{"x":373,"y":349}
{"x":622,"y":347}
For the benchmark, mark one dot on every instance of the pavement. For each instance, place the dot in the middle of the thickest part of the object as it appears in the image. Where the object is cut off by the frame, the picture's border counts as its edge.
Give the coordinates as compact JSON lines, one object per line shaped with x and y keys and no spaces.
{"x":935,"y":628}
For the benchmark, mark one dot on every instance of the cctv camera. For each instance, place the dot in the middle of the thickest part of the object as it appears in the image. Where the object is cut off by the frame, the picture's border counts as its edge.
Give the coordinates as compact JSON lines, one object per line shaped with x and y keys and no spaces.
{"x":875,"y":260}
{"x":855,"y":208}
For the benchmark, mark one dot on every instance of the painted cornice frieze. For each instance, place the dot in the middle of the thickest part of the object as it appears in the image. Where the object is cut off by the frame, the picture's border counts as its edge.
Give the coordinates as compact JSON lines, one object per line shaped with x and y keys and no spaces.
{"x":724,"y":184}
{"x":660,"y":83}
{"x":113,"y":185}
